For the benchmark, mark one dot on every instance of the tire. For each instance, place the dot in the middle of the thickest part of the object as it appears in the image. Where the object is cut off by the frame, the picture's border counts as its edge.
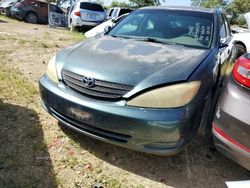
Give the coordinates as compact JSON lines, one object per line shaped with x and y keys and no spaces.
{"x":31,"y":17}
{"x":7,"y":12}
{"x":73,"y":28}
{"x":70,"y":25}
{"x":205,"y":129}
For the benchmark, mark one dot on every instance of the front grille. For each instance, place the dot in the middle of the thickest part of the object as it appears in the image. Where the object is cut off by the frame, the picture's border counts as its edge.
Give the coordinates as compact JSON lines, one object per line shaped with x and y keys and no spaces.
{"x":101,"y":88}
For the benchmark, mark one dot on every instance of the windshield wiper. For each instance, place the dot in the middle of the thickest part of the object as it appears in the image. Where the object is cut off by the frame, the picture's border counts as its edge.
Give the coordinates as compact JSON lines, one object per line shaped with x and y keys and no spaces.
{"x":147,"y":39}
{"x":120,"y":36}
{"x":155,"y":40}
{"x":150,"y":39}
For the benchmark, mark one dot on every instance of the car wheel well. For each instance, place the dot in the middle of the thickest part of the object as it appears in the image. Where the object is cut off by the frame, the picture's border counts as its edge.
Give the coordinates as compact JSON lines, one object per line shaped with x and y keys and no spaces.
{"x":205,"y":128}
{"x":242,"y":44}
{"x":31,"y":12}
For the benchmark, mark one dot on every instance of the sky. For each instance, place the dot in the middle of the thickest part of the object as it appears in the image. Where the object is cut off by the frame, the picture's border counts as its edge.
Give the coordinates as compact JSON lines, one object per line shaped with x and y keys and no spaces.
{"x":168,"y":2}
{"x":178,"y":2}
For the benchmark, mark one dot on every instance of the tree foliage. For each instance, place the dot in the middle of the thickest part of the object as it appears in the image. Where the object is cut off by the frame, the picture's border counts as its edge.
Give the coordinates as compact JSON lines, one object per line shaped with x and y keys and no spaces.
{"x":119,"y":4}
{"x":210,"y":3}
{"x":235,"y":8}
{"x":239,"y":6}
{"x":143,"y":3}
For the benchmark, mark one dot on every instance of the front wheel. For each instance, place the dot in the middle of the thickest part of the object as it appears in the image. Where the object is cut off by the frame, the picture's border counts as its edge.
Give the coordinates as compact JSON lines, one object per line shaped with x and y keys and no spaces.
{"x":205,"y":129}
{"x":31,"y":18}
{"x":7,"y":12}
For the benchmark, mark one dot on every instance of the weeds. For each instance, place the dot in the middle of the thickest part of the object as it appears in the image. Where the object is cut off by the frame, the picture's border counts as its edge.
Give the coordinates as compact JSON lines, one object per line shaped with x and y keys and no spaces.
{"x":12,"y":84}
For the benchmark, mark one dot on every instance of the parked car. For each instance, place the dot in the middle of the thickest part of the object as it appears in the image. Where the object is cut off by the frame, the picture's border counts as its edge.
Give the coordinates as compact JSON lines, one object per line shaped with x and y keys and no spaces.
{"x":144,"y":84}
{"x":100,"y":29}
{"x":117,"y":11}
{"x":32,"y":11}
{"x":85,"y":14}
{"x":231,"y":126}
{"x":5,"y":7}
{"x":241,"y":39}
{"x":65,"y":5}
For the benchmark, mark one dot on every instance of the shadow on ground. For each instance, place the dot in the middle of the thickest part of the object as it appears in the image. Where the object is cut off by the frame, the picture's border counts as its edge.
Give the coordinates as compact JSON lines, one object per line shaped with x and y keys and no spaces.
{"x":24,"y":159}
{"x":197,"y":166}
{"x":1,"y":21}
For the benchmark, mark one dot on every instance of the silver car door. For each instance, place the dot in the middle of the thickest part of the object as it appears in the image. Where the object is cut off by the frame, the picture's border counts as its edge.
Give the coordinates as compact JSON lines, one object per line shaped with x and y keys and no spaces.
{"x":57,"y":17}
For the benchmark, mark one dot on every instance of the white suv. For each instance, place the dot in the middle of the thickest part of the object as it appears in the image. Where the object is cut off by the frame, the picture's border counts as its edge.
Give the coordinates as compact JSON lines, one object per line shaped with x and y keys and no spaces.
{"x":85,"y":14}
{"x":115,"y":12}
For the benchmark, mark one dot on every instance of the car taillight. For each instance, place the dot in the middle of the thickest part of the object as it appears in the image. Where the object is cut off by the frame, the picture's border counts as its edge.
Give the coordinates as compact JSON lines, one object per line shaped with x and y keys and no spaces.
{"x":241,"y":71}
{"x":77,"y":14}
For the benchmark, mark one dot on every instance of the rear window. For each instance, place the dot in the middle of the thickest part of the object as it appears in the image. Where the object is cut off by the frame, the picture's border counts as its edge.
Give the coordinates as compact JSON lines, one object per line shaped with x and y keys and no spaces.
{"x":91,"y":6}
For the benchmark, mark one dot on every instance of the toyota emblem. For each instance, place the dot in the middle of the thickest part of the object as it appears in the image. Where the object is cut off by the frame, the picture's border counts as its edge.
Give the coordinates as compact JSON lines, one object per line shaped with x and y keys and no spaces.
{"x":88,"y":82}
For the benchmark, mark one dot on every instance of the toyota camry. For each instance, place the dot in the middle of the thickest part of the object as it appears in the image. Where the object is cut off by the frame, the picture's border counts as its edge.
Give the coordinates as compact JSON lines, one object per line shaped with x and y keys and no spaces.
{"x":144,"y":83}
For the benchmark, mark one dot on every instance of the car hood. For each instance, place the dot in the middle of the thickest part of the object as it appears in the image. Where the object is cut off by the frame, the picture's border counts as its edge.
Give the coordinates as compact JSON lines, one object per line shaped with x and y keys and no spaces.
{"x":126,"y":61}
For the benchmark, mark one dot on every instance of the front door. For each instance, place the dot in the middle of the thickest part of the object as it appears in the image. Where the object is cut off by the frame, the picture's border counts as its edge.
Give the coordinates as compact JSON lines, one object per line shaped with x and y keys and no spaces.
{"x":57,"y":17}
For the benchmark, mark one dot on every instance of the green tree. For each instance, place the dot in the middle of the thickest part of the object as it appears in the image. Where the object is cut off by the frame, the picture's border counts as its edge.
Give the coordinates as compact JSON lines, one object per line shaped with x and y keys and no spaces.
{"x":210,"y":3}
{"x":119,"y":4}
{"x":143,"y":3}
{"x":235,"y":8}
{"x":239,"y":6}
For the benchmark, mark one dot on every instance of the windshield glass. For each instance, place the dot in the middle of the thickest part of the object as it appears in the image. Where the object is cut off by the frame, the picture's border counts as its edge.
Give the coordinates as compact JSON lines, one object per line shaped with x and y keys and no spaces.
{"x":167,"y":26}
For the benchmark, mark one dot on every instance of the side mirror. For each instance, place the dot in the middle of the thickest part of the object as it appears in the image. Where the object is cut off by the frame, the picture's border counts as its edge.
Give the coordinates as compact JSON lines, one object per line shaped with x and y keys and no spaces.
{"x":223,"y":43}
{"x":107,"y":29}
{"x":113,"y":20}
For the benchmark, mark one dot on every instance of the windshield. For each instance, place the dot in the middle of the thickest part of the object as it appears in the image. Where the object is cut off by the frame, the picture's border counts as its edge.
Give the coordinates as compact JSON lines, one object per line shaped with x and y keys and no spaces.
{"x":167,"y":26}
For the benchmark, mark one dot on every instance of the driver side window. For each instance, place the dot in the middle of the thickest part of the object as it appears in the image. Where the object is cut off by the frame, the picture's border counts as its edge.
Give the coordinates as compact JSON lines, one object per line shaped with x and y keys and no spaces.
{"x":223,"y":34}
{"x":224,"y":29}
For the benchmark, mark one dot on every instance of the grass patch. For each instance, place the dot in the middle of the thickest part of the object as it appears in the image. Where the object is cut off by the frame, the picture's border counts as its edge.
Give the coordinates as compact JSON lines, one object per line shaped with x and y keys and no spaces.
{"x":13,"y":85}
{"x":43,"y":45}
{"x":110,"y":182}
{"x":4,"y":18}
{"x":76,"y":36}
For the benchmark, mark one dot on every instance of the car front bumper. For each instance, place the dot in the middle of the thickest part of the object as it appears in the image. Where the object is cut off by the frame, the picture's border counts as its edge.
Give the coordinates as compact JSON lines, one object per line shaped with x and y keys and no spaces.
{"x":155,"y":131}
{"x":17,"y":13}
{"x":231,"y":127}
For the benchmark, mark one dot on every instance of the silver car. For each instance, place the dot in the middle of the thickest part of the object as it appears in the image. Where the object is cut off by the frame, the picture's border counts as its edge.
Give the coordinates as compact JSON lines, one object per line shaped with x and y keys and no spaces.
{"x":85,"y":14}
{"x":231,"y":126}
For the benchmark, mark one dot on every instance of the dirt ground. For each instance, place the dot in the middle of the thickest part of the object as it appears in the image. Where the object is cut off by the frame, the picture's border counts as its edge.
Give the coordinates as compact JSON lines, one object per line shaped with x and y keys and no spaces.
{"x":36,"y":151}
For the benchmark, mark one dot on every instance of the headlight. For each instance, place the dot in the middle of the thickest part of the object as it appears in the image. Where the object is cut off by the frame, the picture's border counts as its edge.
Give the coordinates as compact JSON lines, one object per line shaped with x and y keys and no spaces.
{"x":51,"y":70}
{"x":167,"y":97}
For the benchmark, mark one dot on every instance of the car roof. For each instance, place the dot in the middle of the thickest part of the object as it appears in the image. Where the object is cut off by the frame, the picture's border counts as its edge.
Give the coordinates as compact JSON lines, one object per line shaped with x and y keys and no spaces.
{"x":184,"y":8}
{"x":86,"y":1}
